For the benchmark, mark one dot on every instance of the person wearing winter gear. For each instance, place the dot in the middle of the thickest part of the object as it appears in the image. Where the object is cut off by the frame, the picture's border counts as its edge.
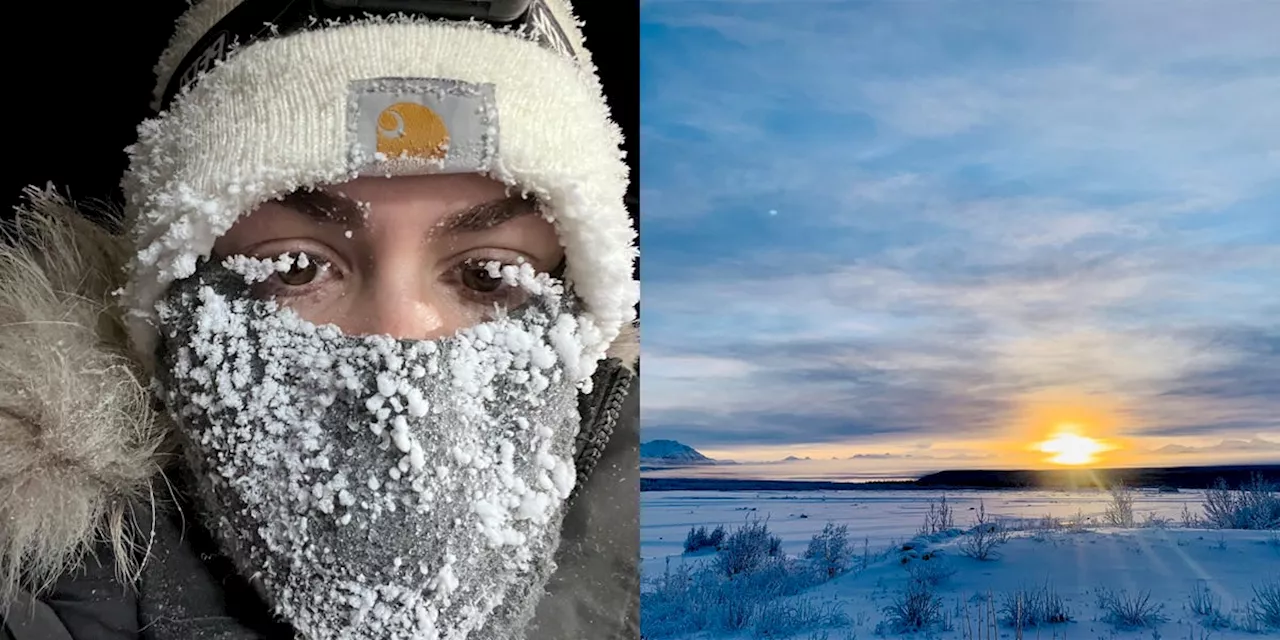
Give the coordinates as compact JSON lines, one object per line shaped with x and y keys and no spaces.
{"x":361,"y":363}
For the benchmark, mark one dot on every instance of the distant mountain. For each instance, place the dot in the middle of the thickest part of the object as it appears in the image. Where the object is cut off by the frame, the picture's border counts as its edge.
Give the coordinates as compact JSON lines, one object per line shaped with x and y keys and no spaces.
{"x":795,"y":459}
{"x":670,"y":452}
{"x":1255,"y":445}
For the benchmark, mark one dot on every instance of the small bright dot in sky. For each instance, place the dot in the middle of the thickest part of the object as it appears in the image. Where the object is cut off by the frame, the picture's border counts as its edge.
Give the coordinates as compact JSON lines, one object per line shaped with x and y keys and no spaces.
{"x":773,"y":212}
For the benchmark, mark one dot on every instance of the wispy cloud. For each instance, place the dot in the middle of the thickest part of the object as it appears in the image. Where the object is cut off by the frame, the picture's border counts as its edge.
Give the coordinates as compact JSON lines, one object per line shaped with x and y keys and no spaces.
{"x":886,"y":221}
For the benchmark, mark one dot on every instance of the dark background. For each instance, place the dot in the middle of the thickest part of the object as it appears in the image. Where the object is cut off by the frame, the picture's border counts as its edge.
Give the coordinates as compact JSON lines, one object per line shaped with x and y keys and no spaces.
{"x":80,"y":79}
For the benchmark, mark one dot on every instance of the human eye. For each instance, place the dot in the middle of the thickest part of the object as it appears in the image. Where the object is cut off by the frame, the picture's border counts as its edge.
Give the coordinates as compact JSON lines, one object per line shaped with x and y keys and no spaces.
{"x":299,"y":273}
{"x":479,"y":280}
{"x":303,"y":271}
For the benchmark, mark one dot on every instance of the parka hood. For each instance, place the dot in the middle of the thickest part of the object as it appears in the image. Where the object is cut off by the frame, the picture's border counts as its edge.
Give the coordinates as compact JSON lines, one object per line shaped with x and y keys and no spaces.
{"x":83,"y":445}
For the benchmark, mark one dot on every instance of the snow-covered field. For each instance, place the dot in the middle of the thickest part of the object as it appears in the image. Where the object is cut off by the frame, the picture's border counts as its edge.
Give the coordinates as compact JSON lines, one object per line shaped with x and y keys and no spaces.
{"x":1058,"y":539}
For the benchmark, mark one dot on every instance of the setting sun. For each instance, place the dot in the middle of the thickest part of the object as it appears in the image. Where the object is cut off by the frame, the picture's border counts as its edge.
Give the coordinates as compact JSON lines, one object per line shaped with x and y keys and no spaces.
{"x":1071,"y":448}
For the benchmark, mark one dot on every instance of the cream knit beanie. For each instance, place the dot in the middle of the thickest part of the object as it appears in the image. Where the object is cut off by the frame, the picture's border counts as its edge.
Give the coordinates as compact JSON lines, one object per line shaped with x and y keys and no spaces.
{"x":242,"y":120}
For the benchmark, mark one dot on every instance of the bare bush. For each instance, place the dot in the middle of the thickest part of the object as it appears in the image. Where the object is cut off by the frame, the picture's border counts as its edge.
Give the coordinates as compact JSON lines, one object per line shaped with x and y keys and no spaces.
{"x":981,"y":541}
{"x":685,"y":600}
{"x":1130,"y":612}
{"x":915,"y":608}
{"x":667,"y":605}
{"x":716,"y":537}
{"x":1034,"y":607}
{"x":698,"y":538}
{"x":747,"y":548}
{"x":1047,"y":523}
{"x":826,"y":635}
{"x":778,"y":619}
{"x":931,"y":569}
{"x":1153,"y":521}
{"x":1265,"y":605}
{"x":1190,"y":520}
{"x":1119,"y":511}
{"x":830,"y":551}
{"x":1256,"y":505}
{"x":1078,"y":524}
{"x":1208,"y":606}
{"x":938,"y":519}
{"x":1202,"y":600}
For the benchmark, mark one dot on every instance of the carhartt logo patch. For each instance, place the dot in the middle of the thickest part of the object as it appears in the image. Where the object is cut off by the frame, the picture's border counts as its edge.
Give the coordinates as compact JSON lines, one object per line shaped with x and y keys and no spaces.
{"x":445,"y":126}
{"x":410,"y":129}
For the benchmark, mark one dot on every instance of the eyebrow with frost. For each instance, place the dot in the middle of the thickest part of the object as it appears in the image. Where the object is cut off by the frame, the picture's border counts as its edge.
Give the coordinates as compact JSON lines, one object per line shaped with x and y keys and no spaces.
{"x":328,"y":207}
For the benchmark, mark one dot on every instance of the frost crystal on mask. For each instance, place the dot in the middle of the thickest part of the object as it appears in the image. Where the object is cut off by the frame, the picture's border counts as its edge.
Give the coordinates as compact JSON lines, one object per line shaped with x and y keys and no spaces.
{"x":378,"y":488}
{"x":186,"y":187}
{"x":257,"y":270}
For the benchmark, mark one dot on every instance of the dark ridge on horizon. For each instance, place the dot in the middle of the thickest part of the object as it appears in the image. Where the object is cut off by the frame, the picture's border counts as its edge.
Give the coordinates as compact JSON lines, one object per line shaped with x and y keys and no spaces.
{"x":1149,"y":478}
{"x":733,"y":484}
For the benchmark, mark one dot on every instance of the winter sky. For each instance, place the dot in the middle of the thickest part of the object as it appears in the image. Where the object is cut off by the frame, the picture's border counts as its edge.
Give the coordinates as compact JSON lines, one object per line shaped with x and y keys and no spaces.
{"x":938,"y":229}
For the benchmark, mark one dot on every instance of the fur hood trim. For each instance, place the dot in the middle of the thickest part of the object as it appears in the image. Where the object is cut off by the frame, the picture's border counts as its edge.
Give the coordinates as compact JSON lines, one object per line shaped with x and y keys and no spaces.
{"x":80,"y":440}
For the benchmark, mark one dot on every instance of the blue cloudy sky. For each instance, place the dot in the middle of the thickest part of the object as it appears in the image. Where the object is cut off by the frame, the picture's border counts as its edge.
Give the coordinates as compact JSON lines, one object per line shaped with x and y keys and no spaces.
{"x":932,"y":228}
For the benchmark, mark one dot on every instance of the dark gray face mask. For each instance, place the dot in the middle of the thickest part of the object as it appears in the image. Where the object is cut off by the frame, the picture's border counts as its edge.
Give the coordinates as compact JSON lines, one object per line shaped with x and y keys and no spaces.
{"x":373,"y":487}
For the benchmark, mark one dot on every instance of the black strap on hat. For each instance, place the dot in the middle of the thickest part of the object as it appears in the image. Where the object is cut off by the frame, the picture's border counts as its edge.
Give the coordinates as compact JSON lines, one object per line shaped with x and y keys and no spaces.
{"x":254,"y":20}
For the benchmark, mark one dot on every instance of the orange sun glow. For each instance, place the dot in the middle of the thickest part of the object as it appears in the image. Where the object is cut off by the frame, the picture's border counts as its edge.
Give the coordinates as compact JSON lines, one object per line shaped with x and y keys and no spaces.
{"x":1069,"y":447}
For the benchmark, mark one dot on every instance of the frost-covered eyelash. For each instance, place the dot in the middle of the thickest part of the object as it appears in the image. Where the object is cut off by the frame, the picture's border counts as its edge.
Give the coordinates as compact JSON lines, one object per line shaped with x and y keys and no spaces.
{"x":524,"y":277}
{"x":258,"y":270}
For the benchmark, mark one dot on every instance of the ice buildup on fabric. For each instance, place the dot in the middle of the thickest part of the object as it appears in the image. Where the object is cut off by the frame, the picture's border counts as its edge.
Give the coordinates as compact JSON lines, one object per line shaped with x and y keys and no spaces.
{"x":435,"y":501}
{"x":216,"y":152}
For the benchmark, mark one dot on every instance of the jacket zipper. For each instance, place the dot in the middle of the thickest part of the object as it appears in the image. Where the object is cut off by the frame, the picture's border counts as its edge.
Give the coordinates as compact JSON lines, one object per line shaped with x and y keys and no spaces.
{"x":600,"y":411}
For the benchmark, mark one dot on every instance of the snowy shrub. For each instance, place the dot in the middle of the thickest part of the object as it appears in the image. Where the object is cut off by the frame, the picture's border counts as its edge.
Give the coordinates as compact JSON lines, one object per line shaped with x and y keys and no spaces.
{"x":775,"y":546}
{"x":1153,"y":521}
{"x":1079,"y":524}
{"x":683,"y":601}
{"x":1256,"y":505}
{"x":716,"y":537}
{"x":830,"y":551}
{"x":734,"y":604}
{"x":1202,"y":600}
{"x":1047,"y":523}
{"x":747,"y":548}
{"x":1119,"y":511}
{"x":779,"y":577}
{"x":1205,"y":604}
{"x":981,"y":541}
{"x":698,"y":539}
{"x":1028,"y":608}
{"x":826,"y":635}
{"x":938,"y":519}
{"x":1265,"y":606}
{"x":930,"y":569}
{"x":1129,"y":612}
{"x":706,"y":602}
{"x":1190,"y":520}
{"x":668,"y":607}
{"x":1246,"y":622}
{"x":779,"y":619}
{"x":916,"y":607}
